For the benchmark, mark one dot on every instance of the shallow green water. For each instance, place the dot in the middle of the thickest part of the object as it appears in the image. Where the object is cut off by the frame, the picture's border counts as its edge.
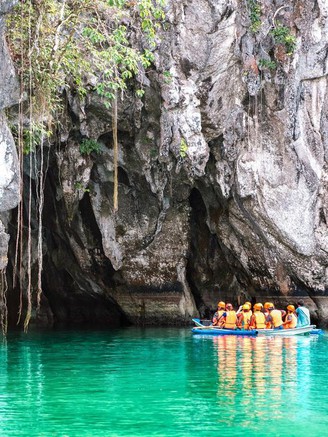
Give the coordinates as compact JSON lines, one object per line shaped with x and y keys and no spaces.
{"x":162,"y":382}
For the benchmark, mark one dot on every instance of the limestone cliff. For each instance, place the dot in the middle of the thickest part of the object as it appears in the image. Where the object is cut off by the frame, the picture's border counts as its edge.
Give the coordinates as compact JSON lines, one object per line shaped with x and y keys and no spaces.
{"x":222,"y":174}
{"x":9,"y":170}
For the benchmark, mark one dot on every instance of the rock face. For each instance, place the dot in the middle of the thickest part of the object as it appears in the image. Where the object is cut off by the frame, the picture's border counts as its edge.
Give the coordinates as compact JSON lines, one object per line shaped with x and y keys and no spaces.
{"x":9,"y":169}
{"x":222,"y":175}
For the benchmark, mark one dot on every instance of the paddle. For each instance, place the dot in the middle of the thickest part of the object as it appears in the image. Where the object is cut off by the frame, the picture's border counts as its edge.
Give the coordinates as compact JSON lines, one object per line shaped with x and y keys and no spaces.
{"x":198,"y":323}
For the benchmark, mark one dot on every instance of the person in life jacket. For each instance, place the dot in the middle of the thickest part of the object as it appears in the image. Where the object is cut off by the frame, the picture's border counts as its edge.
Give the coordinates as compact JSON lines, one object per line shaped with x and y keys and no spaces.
{"x":290,"y":319}
{"x":275,"y":317}
{"x":244,"y":318}
{"x":303,"y":314}
{"x":218,"y":316}
{"x":258,"y":320}
{"x":229,"y":318}
{"x":266,"y":313}
{"x":240,"y":309}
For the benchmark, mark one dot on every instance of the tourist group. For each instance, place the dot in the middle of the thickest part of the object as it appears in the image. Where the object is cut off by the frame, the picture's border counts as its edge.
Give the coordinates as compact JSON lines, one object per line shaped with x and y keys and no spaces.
{"x":262,"y":317}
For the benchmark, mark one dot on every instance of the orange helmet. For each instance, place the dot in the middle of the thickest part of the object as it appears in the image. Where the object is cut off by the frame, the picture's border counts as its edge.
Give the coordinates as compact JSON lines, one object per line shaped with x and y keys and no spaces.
{"x":291,"y":308}
{"x":258,"y":306}
{"x":221,"y":305}
{"x":268,"y":305}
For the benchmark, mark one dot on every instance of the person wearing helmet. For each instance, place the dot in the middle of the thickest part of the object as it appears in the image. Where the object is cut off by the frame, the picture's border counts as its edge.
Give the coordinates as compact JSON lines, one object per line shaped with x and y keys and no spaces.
{"x":240,"y":309}
{"x":290,"y":319}
{"x":230,"y":317}
{"x":258,"y":320}
{"x":218,"y":316}
{"x":266,"y":313}
{"x":244,"y":318}
{"x":275,"y":317}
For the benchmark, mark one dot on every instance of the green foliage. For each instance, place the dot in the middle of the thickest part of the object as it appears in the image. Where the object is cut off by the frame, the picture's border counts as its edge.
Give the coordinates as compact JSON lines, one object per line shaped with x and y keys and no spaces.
{"x":31,"y":136}
{"x":167,"y":77}
{"x":58,"y":45}
{"x":89,"y":146}
{"x":151,"y":13}
{"x":282,"y":35}
{"x":153,"y":153}
{"x":146,"y":140}
{"x":183,"y":148}
{"x":79,"y":186}
{"x":140,"y":93}
{"x":254,"y":11}
{"x":267,"y":63}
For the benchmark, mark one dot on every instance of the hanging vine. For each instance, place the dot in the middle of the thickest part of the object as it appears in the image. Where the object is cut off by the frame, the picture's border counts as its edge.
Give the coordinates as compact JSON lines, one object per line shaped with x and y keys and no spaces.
{"x":3,"y":301}
{"x":59,"y":45}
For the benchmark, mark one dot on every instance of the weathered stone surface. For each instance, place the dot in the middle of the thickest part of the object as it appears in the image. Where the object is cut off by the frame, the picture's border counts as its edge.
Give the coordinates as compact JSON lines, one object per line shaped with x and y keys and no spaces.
{"x":9,"y":90}
{"x":9,"y":170}
{"x":222,"y":176}
{"x":9,"y":175}
{"x":9,"y":184}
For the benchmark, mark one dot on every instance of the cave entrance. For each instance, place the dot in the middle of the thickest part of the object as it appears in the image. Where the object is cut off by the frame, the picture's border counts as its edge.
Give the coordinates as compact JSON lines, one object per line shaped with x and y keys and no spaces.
{"x":208,"y":272}
{"x":76,"y":291}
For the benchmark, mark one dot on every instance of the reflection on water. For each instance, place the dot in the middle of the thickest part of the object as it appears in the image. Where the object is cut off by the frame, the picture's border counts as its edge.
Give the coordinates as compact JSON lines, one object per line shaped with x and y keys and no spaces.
{"x":254,"y":372}
{"x":162,"y":382}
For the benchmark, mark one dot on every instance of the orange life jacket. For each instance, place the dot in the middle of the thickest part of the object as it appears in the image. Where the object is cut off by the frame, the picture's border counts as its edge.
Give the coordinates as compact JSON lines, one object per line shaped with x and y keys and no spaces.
{"x":230,"y":320}
{"x":267,"y":323}
{"x":217,"y":317}
{"x":276,"y":318}
{"x":292,"y":323}
{"x":246,"y":319}
{"x":259,"y":320}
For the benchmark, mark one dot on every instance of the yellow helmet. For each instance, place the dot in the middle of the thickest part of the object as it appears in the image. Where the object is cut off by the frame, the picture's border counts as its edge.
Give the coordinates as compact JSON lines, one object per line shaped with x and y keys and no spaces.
{"x":291,"y":308}
{"x":248,"y":303}
{"x":246,"y":306}
{"x":258,"y":306}
{"x":221,"y":305}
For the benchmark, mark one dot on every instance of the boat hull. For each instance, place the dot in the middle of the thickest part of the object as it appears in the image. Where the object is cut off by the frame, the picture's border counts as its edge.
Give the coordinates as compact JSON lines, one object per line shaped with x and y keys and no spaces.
{"x":217,"y":331}
{"x":287,"y":332}
{"x":317,"y":331}
{"x":212,"y":330}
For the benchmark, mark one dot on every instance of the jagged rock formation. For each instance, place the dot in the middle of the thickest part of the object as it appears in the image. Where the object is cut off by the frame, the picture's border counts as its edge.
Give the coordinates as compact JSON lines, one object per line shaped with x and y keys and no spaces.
{"x":9,"y":170}
{"x":243,"y":214}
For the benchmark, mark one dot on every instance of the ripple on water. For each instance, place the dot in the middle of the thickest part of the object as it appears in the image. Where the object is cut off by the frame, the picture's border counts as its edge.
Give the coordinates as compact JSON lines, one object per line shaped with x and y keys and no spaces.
{"x":161,"y":382}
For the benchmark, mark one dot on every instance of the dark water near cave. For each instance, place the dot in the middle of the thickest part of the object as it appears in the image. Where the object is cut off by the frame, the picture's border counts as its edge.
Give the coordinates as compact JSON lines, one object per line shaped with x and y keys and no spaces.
{"x":162,"y":382}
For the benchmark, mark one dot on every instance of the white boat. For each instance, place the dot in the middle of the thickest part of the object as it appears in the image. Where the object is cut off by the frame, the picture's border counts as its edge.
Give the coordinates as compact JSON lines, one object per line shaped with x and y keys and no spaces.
{"x":283,"y":332}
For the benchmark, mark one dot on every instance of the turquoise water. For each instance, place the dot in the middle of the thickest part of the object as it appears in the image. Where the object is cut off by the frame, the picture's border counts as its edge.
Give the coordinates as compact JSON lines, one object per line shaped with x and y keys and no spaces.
{"x":162,"y":382}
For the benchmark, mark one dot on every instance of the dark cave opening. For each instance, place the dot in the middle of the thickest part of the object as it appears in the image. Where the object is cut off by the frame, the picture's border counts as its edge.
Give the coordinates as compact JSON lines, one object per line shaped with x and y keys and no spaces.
{"x":199,"y":243}
{"x":209,"y":273}
{"x":72,"y":294}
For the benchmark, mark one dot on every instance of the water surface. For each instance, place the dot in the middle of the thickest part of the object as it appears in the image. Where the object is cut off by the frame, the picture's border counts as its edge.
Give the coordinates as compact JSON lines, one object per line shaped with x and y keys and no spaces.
{"x":162,"y":382}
